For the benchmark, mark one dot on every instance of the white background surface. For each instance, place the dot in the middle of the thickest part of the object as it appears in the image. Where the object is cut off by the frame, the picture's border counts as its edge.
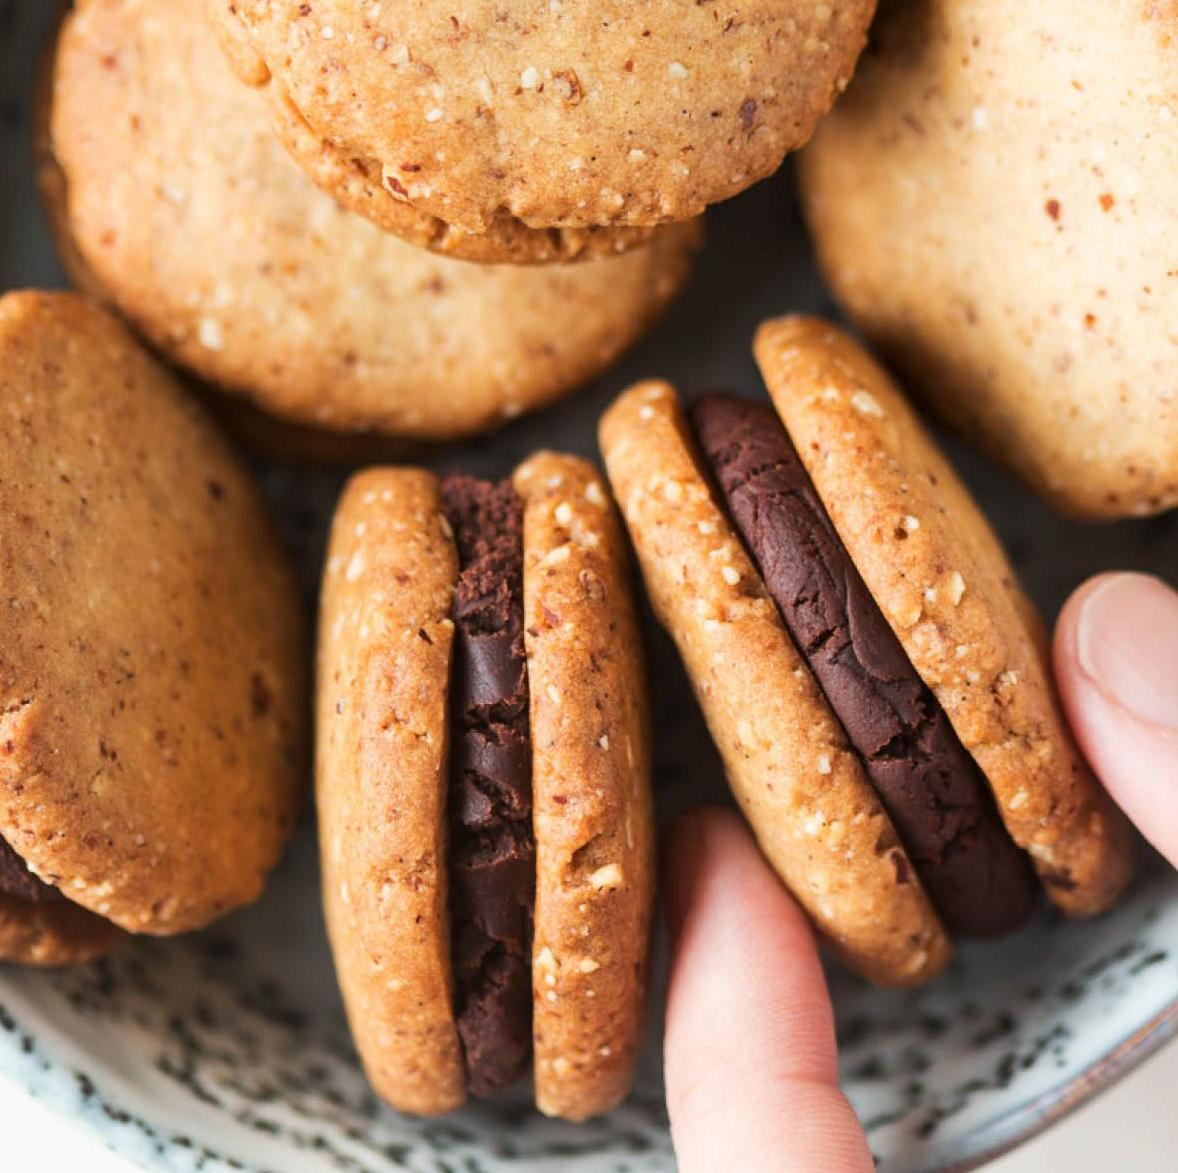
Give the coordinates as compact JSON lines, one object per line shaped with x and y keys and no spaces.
{"x":1132,"y":1127}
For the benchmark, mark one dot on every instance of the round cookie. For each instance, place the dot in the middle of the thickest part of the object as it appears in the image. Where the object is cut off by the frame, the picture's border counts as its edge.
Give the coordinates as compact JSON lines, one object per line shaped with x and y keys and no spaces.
{"x":426,"y":750}
{"x":560,"y":115}
{"x":151,"y":678}
{"x":963,"y":632}
{"x":993,"y":203}
{"x":312,"y":312}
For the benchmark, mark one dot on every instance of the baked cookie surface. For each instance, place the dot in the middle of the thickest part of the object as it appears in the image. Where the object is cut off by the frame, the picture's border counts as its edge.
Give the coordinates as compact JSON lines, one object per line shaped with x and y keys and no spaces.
{"x":557,"y":114}
{"x":359,"y":186}
{"x":993,"y":203}
{"x":441,"y":732}
{"x":871,"y":673}
{"x":151,"y":671}
{"x":385,"y":642}
{"x":180,"y":205}
{"x":595,"y":835}
{"x":790,"y":766}
{"x":943,"y":582}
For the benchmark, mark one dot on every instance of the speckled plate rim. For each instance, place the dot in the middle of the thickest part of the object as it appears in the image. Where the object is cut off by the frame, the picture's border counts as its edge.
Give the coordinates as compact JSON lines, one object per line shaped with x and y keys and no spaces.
{"x":1022,"y":1124}
{"x":126,"y":1132}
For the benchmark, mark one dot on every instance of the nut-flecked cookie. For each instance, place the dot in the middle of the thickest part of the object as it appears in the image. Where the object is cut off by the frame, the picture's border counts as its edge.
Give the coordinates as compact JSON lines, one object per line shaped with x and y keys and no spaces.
{"x":151,"y":712}
{"x":560,"y":115}
{"x":752,"y":537}
{"x":993,"y":203}
{"x":310,"y":311}
{"x":360,"y":186}
{"x":483,"y":782}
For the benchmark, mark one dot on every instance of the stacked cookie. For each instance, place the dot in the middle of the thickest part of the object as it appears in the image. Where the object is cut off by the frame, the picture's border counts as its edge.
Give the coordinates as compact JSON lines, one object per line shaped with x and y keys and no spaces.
{"x":543,"y":130}
{"x":179,"y":205}
{"x":483,"y":784}
{"x":873,"y":677}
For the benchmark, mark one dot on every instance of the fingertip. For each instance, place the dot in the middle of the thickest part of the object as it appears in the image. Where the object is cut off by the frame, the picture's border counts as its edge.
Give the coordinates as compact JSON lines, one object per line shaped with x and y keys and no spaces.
{"x":1115,"y":645}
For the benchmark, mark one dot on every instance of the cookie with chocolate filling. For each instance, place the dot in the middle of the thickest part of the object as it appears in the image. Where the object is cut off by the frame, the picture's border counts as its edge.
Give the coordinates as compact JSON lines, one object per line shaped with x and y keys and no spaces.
{"x":151,"y":648}
{"x":869,"y":668}
{"x":483,"y":786}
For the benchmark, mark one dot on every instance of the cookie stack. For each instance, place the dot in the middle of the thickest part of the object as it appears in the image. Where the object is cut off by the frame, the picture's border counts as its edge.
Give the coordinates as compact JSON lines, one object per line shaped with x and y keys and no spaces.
{"x":178,"y":204}
{"x":564,"y":154}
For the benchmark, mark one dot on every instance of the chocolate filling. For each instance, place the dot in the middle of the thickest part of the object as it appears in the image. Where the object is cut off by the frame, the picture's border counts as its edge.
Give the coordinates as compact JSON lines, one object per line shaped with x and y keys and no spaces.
{"x":492,"y":851}
{"x":16,"y":879}
{"x":934,"y":792}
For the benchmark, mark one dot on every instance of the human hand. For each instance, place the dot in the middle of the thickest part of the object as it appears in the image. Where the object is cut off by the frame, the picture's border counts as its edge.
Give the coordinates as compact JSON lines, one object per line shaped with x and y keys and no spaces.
{"x":752,"y":1083}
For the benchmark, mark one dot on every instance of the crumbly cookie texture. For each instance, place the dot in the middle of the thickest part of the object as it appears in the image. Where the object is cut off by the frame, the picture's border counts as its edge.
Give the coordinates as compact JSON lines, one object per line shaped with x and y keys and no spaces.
{"x":993,"y":201}
{"x":151,"y":645}
{"x":385,"y":640}
{"x":943,"y":582}
{"x":178,"y":203}
{"x":594,"y":820}
{"x":61,"y":933}
{"x":359,"y":186}
{"x":799,"y":783}
{"x":559,"y":114}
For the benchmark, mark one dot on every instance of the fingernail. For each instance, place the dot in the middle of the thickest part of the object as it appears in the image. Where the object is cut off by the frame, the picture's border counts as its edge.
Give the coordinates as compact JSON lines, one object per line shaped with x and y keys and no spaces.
{"x":1127,"y":646}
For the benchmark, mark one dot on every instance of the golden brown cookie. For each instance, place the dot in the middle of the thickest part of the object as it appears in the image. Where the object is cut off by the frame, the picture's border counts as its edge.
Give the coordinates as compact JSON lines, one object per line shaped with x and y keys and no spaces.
{"x":556,"y":114}
{"x":151,"y":716}
{"x":943,"y":582}
{"x":595,"y":838}
{"x":311,"y":312}
{"x":385,"y":634}
{"x":418,"y":631}
{"x":839,"y":585}
{"x":993,"y":202}
{"x":797,"y":780}
{"x":52,"y":933}
{"x":359,"y":186}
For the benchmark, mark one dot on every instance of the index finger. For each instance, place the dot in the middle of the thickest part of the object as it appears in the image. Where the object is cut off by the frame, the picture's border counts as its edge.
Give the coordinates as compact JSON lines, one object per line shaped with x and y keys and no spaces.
{"x":752,"y":1079}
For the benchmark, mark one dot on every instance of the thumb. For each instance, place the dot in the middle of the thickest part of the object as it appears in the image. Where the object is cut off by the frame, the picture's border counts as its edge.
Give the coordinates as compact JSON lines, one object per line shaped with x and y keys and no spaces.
{"x":1116,"y":663}
{"x":752,"y":1085}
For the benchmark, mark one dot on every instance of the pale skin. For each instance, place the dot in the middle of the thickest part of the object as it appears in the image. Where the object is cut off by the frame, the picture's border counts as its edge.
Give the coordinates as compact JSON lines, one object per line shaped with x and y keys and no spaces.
{"x":750,"y":1053}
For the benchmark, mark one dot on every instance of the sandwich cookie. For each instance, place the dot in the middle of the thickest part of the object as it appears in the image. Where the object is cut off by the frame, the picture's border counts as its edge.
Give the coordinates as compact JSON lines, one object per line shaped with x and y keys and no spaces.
{"x":176,"y":203}
{"x":553,"y":115}
{"x":151,"y":671}
{"x":483,"y":785}
{"x":872,"y":675}
{"x":993,"y":202}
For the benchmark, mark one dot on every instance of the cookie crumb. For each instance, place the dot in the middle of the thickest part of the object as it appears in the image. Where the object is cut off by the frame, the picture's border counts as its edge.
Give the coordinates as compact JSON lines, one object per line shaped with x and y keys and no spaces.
{"x":210,"y":334}
{"x":606,"y":877}
{"x":866,"y":404}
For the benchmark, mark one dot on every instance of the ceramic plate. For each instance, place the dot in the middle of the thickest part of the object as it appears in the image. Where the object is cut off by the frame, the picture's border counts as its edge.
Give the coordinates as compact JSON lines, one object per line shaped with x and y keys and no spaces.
{"x":228,"y":1050}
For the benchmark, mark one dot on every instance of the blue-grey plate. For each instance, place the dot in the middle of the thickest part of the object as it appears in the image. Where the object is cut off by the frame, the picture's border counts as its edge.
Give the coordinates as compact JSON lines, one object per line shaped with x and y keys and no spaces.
{"x":228,"y":1050}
